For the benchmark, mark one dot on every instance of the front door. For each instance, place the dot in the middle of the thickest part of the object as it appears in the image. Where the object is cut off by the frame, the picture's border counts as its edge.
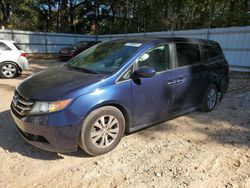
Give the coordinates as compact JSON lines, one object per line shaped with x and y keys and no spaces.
{"x":153,"y":97}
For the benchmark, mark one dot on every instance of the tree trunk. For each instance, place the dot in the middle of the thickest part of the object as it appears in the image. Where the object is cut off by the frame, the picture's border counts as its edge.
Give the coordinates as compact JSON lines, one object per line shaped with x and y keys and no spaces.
{"x":58,"y":16}
{"x":71,"y":16}
{"x":49,"y":17}
{"x":64,"y":16}
{"x":97,"y":15}
{"x":5,"y":18}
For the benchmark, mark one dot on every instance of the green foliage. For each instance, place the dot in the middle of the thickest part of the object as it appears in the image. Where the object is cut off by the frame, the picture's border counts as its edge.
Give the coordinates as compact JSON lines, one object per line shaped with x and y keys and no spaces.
{"x":122,"y":16}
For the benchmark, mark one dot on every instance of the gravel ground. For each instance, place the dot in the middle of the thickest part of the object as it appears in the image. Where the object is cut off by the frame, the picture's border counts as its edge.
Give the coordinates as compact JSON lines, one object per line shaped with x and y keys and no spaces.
{"x":194,"y":150}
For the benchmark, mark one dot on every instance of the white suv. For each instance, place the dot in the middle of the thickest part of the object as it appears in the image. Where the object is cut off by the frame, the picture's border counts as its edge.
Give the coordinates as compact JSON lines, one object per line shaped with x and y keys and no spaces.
{"x":12,"y":59}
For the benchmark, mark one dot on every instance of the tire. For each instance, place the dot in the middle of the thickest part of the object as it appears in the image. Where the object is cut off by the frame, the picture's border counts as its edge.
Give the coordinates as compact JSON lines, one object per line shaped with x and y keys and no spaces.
{"x":102,"y":130}
{"x":9,"y":70}
{"x":210,"y":98}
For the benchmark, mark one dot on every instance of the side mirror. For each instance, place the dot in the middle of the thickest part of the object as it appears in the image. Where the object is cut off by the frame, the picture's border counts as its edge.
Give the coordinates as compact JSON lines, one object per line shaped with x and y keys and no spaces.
{"x":145,"y":72}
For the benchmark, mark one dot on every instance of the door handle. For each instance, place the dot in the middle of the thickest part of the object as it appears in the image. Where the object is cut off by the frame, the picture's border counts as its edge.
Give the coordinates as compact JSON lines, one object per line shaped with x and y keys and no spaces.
{"x":180,"y":80}
{"x":173,"y":82}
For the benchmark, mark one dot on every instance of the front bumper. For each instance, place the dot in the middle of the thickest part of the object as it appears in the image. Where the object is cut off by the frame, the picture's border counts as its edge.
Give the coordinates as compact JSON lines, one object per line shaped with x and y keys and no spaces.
{"x":55,"y":139}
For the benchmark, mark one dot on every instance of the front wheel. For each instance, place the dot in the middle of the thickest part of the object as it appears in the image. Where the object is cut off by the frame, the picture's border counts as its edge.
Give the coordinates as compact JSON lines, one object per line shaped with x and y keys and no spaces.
{"x":102,"y":130}
{"x":210,"y":98}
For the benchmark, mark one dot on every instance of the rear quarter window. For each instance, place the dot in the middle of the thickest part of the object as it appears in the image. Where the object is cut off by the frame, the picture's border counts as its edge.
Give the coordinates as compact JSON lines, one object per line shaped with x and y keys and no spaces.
{"x":187,"y":54}
{"x":212,"y":54}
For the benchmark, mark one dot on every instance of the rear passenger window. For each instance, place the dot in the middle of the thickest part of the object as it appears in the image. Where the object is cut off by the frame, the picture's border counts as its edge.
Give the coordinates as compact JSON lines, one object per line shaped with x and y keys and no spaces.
{"x":4,"y":47}
{"x":187,"y":54}
{"x":212,"y":54}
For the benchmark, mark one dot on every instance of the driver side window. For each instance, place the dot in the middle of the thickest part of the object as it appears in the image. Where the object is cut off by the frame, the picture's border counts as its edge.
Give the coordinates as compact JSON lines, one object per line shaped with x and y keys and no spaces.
{"x":157,"y":57}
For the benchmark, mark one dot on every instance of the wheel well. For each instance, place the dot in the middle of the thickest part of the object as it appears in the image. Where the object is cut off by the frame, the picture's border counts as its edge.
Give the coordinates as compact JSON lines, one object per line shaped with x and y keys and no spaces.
{"x":19,"y":69}
{"x":219,"y":90}
{"x":123,"y":111}
{"x":217,"y":85}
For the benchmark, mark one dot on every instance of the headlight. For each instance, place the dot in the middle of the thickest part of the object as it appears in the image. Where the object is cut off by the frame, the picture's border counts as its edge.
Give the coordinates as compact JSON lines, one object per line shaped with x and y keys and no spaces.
{"x":47,"y":107}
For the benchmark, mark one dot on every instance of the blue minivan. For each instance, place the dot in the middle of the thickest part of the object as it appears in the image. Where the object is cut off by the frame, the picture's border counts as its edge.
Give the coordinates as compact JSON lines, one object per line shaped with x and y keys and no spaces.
{"x":118,"y":87}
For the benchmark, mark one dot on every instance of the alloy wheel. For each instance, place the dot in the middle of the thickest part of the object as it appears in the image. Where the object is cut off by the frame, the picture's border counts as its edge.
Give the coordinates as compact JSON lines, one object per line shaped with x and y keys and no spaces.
{"x":211,"y":98}
{"x":104,"y":131}
{"x":9,"y":70}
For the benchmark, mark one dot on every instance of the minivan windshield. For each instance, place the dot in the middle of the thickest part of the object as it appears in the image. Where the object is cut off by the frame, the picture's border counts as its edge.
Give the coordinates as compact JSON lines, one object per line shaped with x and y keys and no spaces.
{"x":104,"y":58}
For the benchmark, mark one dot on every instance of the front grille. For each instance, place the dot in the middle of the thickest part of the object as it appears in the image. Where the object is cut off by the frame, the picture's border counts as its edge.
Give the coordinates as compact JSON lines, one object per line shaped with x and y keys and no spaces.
{"x":20,"y":106}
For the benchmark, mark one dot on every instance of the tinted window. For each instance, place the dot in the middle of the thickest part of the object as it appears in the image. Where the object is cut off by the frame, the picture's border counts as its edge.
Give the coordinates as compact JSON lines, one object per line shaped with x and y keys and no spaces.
{"x":212,"y":53}
{"x":187,"y":54}
{"x":4,"y":47}
{"x":158,"y":58}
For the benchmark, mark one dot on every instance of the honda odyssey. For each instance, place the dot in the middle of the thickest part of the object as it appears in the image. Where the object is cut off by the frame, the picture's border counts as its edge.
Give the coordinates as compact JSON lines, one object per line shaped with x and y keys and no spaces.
{"x":118,"y":87}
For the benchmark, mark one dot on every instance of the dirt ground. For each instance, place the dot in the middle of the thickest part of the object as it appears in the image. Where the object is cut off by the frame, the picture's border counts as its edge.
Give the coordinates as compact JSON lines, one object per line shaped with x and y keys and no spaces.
{"x":194,"y":150}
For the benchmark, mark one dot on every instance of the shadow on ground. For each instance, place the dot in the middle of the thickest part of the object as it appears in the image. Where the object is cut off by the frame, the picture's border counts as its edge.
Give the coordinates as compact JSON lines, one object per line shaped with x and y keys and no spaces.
{"x":228,"y":124}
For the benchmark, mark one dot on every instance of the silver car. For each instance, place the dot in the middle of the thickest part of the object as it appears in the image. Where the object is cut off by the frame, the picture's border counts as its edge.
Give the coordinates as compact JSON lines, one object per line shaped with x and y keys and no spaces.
{"x":13,"y":60}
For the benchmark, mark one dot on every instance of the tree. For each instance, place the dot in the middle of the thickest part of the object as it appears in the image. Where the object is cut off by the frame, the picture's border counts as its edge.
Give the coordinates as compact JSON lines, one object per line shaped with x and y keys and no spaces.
{"x":121,"y":16}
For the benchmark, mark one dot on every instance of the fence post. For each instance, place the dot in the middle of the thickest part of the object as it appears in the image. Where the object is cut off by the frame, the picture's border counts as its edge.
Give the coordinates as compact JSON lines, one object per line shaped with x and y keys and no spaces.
{"x":209,"y":24}
{"x":75,"y":37}
{"x":12,"y":35}
{"x":46,"y":43}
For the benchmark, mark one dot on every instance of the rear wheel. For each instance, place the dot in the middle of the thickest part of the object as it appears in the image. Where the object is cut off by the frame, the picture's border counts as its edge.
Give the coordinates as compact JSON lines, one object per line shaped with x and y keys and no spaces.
{"x":210,"y":98}
{"x":102,"y":130}
{"x":8,"y":70}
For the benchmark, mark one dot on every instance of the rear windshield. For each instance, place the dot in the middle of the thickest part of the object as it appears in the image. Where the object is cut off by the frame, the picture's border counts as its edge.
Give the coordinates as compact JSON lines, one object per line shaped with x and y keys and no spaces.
{"x":84,"y":43}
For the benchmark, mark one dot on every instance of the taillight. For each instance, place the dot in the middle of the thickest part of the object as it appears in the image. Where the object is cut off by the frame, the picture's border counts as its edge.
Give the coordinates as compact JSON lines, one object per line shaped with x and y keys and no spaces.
{"x":24,"y":55}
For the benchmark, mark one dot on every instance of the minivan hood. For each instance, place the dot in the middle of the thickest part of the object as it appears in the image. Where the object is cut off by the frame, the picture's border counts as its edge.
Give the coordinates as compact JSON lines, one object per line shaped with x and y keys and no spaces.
{"x":55,"y":82}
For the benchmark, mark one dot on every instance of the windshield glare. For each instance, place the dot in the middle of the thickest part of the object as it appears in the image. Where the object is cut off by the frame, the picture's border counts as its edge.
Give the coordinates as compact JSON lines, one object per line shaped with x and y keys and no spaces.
{"x":104,"y":58}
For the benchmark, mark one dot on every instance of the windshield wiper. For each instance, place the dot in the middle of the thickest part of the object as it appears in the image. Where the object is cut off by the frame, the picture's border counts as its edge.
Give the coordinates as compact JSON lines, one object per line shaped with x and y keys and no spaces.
{"x":86,"y":70}
{"x":81,"y":69}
